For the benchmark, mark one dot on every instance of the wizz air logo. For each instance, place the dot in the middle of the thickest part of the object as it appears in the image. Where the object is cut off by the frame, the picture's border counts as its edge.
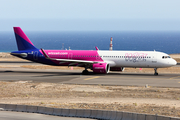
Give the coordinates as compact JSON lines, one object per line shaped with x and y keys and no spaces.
{"x":135,"y":57}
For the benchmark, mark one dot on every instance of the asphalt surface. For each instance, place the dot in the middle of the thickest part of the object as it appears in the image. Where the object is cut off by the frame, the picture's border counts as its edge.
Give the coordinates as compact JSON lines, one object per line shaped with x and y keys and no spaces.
{"x":75,"y":77}
{"x":8,"y":115}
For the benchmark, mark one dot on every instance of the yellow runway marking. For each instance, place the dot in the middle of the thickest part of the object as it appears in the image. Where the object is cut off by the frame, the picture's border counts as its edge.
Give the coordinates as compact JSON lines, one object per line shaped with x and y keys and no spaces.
{"x":174,"y":77}
{"x":92,"y":78}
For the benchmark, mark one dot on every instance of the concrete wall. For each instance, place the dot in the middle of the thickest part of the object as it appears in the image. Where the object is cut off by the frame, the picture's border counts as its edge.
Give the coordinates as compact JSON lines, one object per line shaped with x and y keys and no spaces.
{"x":95,"y":114}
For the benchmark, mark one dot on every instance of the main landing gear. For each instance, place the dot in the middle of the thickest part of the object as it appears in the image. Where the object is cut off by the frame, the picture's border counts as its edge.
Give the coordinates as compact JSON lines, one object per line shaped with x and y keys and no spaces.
{"x":85,"y":72}
{"x":155,"y":71}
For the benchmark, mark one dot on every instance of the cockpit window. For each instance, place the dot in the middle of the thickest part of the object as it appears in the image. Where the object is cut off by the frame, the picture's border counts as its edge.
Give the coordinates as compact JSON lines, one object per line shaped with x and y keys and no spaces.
{"x":165,"y":57}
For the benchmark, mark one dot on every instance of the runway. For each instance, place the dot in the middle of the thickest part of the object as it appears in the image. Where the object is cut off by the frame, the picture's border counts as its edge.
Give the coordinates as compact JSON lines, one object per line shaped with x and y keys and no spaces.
{"x":75,"y":77}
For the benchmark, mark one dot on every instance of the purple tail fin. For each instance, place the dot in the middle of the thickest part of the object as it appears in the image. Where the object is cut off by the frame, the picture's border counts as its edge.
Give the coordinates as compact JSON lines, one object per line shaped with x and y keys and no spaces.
{"x":23,"y":42}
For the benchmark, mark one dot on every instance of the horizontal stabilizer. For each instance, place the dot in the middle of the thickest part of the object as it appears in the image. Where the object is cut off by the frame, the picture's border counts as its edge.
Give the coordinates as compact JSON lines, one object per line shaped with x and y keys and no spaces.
{"x":20,"y":54}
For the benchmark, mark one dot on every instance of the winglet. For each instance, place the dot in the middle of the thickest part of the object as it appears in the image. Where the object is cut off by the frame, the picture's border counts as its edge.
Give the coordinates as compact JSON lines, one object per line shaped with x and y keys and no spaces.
{"x":96,"y":48}
{"x":46,"y":56}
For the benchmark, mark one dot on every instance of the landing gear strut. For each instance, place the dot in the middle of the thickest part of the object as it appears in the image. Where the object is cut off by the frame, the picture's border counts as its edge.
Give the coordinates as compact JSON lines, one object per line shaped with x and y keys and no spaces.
{"x":155,"y":71}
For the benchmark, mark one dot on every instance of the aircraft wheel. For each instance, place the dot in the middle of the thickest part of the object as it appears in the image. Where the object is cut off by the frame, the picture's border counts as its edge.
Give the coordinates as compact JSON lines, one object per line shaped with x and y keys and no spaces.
{"x":85,"y":72}
{"x":155,"y":73}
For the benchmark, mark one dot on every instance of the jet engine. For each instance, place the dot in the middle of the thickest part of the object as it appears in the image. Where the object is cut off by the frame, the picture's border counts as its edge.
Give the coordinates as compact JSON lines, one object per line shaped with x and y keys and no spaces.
{"x":117,"y":69}
{"x":101,"y":68}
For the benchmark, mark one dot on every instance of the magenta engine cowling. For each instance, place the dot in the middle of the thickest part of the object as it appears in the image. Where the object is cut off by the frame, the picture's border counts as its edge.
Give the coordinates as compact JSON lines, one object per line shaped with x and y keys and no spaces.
{"x":117,"y":69}
{"x":101,"y":68}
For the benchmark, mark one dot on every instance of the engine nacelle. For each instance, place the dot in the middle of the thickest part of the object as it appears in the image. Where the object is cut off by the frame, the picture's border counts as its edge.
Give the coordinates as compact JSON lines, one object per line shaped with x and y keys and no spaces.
{"x":117,"y":69}
{"x":101,"y":68}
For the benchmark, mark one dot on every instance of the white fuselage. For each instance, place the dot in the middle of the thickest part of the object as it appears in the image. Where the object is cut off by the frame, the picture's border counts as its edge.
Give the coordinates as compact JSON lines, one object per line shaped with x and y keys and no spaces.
{"x":144,"y":59}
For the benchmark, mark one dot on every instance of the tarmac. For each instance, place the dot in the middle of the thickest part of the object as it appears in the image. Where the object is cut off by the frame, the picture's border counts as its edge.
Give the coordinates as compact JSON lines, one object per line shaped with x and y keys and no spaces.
{"x":75,"y":77}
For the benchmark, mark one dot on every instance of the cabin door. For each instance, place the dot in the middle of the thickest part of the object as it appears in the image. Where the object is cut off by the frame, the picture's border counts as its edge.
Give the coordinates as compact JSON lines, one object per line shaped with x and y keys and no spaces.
{"x":70,"y":56}
{"x":35,"y":55}
{"x":154,"y":57}
{"x":98,"y":57}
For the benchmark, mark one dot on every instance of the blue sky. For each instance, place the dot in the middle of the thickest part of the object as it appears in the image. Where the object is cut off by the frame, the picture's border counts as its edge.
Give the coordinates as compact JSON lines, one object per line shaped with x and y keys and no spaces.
{"x":90,"y":15}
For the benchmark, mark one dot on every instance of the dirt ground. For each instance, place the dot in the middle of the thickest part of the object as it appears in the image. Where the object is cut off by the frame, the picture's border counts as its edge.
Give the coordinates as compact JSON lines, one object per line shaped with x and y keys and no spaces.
{"x":149,"y":100}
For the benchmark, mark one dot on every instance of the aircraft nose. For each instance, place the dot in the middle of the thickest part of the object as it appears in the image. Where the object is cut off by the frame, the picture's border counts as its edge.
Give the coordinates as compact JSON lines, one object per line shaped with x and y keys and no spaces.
{"x":173,"y":62}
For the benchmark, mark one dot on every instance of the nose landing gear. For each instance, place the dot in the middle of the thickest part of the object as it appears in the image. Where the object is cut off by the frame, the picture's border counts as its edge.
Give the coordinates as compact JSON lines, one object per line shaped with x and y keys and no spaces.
{"x":155,"y":71}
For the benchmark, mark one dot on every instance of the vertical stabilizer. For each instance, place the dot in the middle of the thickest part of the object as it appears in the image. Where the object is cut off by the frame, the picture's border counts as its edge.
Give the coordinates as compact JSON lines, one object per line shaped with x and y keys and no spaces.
{"x":23,"y":42}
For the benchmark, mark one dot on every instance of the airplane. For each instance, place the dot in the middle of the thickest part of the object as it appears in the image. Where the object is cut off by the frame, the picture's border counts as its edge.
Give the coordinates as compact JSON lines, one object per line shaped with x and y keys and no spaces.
{"x":99,"y":61}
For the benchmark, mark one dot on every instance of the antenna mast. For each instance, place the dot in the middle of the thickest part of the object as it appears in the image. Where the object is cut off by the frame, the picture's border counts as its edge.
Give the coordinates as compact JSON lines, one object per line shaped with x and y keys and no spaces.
{"x":110,"y":47}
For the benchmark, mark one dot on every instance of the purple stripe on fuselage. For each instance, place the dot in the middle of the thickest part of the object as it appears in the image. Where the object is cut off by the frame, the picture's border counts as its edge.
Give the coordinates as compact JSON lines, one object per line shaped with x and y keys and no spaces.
{"x":19,"y":32}
{"x":89,"y":55}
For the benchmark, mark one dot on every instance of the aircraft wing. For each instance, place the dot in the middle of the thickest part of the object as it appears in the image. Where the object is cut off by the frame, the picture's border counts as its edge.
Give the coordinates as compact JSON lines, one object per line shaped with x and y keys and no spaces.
{"x":67,"y":60}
